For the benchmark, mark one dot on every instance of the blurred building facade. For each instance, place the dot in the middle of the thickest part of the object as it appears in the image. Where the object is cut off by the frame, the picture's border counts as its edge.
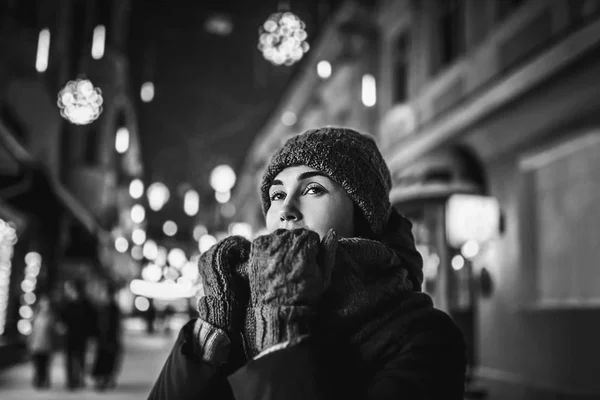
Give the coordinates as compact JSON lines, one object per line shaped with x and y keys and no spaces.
{"x":494,"y":100}
{"x":64,"y":189}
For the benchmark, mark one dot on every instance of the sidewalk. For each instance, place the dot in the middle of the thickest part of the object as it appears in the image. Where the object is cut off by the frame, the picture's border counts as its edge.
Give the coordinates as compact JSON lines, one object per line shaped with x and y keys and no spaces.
{"x":143,"y":360}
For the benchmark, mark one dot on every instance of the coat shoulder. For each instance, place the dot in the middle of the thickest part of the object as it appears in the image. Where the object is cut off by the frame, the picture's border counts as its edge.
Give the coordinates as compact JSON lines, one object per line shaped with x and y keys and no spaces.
{"x":426,"y":352}
{"x":415,"y":324}
{"x":416,"y":313}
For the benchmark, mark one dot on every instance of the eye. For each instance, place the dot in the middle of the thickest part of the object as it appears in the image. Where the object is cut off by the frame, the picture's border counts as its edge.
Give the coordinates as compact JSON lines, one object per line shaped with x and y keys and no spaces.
{"x":277,"y":196}
{"x":314,"y":189}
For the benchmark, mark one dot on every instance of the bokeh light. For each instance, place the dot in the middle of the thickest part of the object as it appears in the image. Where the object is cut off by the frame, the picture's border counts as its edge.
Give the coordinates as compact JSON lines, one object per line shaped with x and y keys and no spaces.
{"x":147,"y":92}
{"x":282,"y":39}
{"x":158,"y":195}
{"x":150,"y":250}
{"x":142,"y":303}
{"x":170,"y":228}
{"x":206,"y":242}
{"x":80,"y":102}
{"x":151,"y":273}
{"x":138,"y":236}
{"x":177,"y":258}
{"x":138,"y":213}
{"x":222,"y":178}
{"x":136,"y":188}
{"x":24,"y":327}
{"x":324,"y":69}
{"x":121,"y":244}
{"x":137,"y":253}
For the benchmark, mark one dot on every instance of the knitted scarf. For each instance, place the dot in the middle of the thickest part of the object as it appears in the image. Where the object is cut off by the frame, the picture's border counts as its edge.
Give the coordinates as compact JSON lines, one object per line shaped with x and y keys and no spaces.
{"x":369,"y":284}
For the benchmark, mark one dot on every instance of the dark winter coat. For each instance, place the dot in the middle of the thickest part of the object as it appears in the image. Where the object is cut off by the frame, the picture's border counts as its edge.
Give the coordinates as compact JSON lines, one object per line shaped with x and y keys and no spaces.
{"x":424,"y":359}
{"x":377,"y":337}
{"x":79,"y":316}
{"x":108,"y":340}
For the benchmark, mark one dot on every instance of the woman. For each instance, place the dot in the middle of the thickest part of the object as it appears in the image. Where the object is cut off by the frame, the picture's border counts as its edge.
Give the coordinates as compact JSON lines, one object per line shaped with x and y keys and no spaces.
{"x":328,"y":304}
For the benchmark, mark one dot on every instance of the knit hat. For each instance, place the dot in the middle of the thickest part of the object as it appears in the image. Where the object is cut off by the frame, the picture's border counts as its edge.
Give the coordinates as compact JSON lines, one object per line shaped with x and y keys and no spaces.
{"x":349,"y":158}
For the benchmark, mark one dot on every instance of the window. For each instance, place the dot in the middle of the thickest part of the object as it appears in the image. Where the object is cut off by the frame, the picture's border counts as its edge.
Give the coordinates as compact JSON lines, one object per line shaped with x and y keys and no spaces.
{"x":401,"y":59}
{"x":507,"y":7}
{"x":450,"y":26}
{"x":562,"y":211}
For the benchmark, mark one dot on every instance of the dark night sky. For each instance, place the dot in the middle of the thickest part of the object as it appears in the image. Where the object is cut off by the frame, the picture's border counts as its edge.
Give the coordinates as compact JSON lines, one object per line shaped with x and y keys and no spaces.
{"x":213,"y":93}
{"x":209,"y":89}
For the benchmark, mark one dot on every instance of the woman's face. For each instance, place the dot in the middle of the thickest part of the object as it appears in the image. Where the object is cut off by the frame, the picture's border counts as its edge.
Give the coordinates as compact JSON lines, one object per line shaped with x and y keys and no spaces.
{"x":302,"y":197}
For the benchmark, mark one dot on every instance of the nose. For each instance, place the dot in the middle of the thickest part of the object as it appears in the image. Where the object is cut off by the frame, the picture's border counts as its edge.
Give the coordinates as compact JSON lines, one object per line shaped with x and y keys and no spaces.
{"x":289,"y":213}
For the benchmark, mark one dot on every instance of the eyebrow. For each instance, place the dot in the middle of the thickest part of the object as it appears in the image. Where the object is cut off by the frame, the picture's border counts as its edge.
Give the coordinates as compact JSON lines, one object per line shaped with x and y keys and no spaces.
{"x":302,"y":176}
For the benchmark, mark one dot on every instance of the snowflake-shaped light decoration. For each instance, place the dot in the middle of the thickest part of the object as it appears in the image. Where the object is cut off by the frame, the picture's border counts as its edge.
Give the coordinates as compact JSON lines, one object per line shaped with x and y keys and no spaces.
{"x":282,"y":39}
{"x":80,"y":102}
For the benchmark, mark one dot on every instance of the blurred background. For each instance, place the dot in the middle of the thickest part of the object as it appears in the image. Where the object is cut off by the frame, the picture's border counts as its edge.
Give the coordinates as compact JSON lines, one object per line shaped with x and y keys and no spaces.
{"x":133,"y":134}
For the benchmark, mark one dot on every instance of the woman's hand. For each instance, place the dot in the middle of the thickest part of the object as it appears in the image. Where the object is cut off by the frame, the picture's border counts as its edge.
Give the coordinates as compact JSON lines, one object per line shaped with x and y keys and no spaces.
{"x":288,"y":272}
{"x":226,"y":293}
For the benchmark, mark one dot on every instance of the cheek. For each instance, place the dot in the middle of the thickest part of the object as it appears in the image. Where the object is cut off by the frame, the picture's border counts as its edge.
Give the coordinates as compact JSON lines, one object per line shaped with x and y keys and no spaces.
{"x":272,"y":219}
{"x":342,"y":220}
{"x":322,"y":216}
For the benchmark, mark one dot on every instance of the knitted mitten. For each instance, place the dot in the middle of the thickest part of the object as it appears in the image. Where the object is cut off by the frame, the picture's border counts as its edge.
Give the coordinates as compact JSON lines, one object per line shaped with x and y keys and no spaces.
{"x":288,"y":272}
{"x":226,"y":293}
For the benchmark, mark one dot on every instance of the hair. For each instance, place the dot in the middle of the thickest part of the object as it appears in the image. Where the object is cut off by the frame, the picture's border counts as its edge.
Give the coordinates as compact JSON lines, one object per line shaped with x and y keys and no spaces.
{"x":362,"y":228}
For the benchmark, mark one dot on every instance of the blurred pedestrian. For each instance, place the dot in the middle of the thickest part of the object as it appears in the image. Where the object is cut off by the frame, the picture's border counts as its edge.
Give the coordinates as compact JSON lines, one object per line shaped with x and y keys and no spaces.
{"x":108,"y":340}
{"x":42,"y":341}
{"x":328,"y":304}
{"x":150,"y":316}
{"x":167,"y":317}
{"x":79,"y":318}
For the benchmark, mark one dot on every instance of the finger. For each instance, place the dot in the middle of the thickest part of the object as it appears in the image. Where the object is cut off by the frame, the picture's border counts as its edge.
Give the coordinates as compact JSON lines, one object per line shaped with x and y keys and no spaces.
{"x":205,"y":272}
